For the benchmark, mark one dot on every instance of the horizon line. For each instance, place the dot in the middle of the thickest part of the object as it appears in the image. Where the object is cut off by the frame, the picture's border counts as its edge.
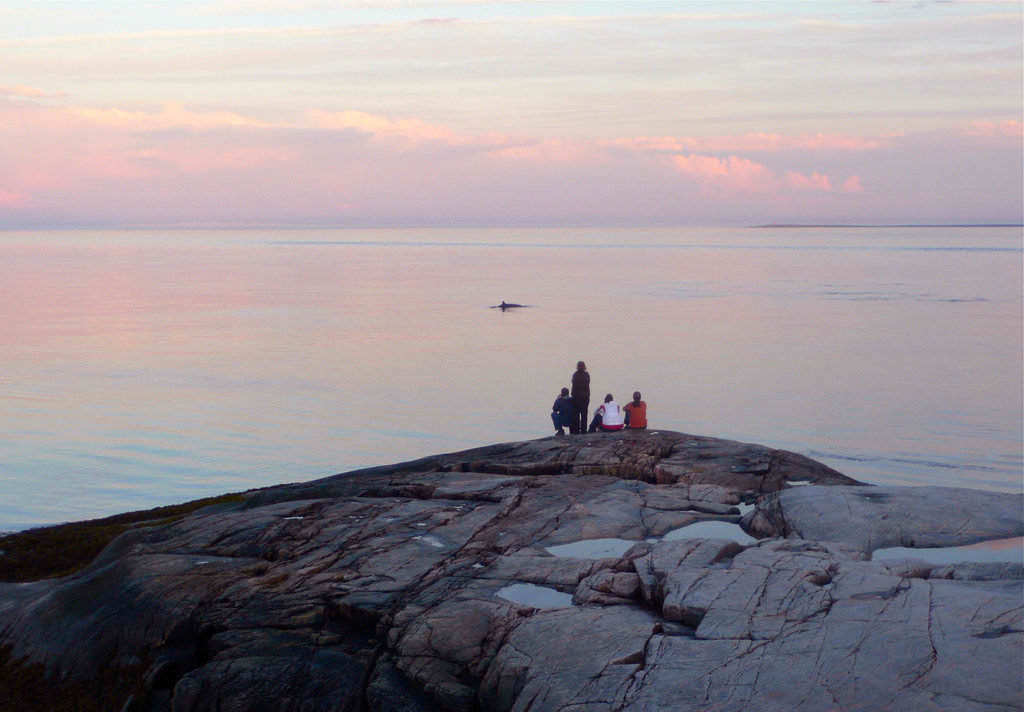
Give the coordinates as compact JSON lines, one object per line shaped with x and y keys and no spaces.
{"x":484,"y":224}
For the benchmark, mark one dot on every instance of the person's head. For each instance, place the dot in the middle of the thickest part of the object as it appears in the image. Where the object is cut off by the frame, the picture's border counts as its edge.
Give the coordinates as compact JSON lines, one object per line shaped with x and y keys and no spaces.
{"x":580,"y":366}
{"x":565,"y":391}
{"x":636,"y":396}
{"x":608,"y":398}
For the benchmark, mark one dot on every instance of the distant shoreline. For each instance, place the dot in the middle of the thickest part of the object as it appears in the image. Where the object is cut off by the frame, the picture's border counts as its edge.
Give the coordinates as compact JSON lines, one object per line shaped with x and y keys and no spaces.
{"x":800,"y":225}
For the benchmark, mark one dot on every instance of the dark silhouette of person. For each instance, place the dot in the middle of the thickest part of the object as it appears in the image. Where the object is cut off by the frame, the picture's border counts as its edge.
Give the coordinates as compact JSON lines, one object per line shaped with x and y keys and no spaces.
{"x":580,"y":398}
{"x":563,"y":412}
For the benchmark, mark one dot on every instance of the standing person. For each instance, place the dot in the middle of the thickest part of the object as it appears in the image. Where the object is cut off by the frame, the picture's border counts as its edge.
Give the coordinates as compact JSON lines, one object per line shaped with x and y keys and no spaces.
{"x":563,"y":412}
{"x":636,"y":413}
{"x":607,"y":417}
{"x":580,"y":398}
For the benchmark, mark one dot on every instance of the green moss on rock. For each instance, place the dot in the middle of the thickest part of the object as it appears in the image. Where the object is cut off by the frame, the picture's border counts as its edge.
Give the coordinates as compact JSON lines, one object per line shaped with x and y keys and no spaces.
{"x":25,"y":687}
{"x":63,"y":549}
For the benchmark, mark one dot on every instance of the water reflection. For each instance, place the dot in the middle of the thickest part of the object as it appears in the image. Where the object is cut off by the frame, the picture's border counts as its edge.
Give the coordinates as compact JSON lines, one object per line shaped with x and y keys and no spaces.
{"x":994,"y":550}
{"x":141,"y":368}
{"x":528,"y":594}
{"x":711,"y":530}
{"x":592,"y":548}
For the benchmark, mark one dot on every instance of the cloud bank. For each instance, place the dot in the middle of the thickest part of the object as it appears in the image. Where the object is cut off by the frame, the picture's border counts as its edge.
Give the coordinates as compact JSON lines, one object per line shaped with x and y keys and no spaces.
{"x":434,"y":111}
{"x":66,"y":164}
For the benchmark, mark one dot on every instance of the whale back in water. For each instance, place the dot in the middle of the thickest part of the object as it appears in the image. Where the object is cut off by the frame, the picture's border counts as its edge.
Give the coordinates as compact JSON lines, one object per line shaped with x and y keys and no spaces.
{"x":506,"y":305}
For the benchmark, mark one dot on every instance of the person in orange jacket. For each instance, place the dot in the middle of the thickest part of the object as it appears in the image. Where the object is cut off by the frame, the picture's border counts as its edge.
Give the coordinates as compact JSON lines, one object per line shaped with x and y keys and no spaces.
{"x":636,"y":413}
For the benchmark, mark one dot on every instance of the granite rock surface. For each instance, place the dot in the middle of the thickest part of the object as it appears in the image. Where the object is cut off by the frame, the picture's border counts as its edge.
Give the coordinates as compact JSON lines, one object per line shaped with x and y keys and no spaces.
{"x":429,"y":586}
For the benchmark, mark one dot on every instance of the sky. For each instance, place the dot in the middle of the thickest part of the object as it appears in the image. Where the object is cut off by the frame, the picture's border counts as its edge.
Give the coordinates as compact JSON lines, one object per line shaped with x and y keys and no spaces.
{"x":409,"y":112}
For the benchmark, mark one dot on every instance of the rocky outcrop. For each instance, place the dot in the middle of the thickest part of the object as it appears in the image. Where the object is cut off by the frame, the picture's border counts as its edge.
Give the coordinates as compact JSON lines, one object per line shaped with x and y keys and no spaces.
{"x":870,"y":518}
{"x":432,"y":585}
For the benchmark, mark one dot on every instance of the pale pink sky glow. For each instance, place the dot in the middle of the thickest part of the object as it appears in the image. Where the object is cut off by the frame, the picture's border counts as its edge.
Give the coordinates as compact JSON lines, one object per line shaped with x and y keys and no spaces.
{"x":519,"y":112}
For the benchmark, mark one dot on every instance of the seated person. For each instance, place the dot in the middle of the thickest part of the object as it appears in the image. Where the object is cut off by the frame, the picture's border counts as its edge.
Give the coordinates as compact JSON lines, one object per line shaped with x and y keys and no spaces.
{"x":607,"y":417}
{"x":562,"y":412}
{"x":636,"y":413}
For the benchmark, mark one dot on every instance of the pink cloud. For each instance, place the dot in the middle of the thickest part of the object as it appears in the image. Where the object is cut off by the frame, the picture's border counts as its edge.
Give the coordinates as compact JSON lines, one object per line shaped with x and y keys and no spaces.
{"x":171,"y":115}
{"x":180,"y":164}
{"x":402,"y":131}
{"x":816,"y":182}
{"x":217,"y":158}
{"x":756,"y":142}
{"x":10,"y":198}
{"x":21,"y":90}
{"x":852,"y":185}
{"x":413,"y":129}
{"x":742,"y":175}
{"x":735,"y":173}
{"x":990,"y":128}
{"x":552,"y":152}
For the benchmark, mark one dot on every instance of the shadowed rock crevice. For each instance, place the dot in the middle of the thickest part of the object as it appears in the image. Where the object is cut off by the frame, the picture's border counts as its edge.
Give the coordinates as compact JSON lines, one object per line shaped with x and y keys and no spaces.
{"x":387,"y":589}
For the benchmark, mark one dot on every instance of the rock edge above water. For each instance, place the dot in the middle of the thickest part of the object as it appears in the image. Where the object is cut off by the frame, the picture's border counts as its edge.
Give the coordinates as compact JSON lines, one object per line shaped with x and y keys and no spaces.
{"x":379,"y":590}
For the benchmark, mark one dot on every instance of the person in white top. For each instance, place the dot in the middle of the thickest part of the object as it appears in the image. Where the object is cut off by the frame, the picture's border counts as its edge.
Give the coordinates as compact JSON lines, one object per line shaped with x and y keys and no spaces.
{"x":608,"y":416}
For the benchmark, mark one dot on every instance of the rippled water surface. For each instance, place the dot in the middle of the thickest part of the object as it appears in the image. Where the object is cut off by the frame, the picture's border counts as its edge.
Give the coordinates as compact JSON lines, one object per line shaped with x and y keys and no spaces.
{"x":140,"y":368}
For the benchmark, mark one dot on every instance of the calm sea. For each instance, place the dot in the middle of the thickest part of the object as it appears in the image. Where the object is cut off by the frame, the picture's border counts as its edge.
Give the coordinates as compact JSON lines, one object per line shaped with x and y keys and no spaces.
{"x":147,"y":367}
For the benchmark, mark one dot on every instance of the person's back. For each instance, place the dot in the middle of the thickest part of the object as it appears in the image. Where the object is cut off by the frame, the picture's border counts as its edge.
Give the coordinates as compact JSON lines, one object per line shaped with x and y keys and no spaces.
{"x":563,"y":405}
{"x":636,"y":413}
{"x":563,"y":412}
{"x":580,"y":397}
{"x":581,"y":384}
{"x":611,"y":416}
{"x":608,"y":416}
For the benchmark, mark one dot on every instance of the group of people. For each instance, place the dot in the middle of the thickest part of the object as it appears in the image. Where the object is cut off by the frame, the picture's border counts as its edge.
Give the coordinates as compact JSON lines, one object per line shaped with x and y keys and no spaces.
{"x":570,"y":409}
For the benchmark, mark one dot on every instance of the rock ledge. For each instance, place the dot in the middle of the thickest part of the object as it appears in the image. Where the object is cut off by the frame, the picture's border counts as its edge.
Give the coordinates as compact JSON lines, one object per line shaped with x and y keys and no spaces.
{"x":388,"y":590}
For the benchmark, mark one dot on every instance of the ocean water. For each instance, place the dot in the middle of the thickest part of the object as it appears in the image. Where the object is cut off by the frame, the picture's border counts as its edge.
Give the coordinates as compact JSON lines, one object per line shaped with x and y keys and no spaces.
{"x":147,"y":367}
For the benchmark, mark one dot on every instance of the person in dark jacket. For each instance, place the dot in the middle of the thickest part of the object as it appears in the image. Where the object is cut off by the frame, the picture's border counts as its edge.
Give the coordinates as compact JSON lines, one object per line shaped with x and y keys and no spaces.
{"x":580,"y":397}
{"x":563,"y":412}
